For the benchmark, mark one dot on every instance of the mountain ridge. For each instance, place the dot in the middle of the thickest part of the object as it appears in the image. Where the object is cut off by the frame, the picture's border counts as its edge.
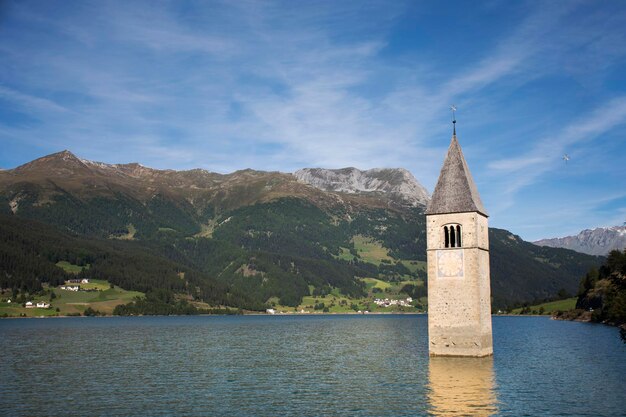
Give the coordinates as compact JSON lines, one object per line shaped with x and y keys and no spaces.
{"x":75,"y":174}
{"x":397,"y":182}
{"x":295,"y":235}
{"x":598,"y":241}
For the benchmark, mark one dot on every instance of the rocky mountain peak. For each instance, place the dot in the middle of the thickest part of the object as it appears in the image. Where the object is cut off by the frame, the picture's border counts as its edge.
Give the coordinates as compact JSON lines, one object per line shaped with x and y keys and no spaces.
{"x":64,"y":162}
{"x":398,"y":183}
{"x":599,"y":241}
{"x":65,"y":154}
{"x":382,"y":187}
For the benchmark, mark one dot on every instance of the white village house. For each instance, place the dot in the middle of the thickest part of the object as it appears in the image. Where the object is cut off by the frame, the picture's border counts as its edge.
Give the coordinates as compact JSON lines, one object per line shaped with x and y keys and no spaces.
{"x":40,"y":304}
{"x":388,"y":303}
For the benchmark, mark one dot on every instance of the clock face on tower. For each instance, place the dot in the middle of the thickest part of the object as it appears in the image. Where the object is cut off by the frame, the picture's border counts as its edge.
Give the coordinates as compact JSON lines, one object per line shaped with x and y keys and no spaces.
{"x":450,"y":263}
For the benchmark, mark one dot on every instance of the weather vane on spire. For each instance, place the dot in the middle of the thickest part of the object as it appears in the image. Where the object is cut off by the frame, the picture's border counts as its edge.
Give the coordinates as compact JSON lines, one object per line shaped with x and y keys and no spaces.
{"x":453,"y":108}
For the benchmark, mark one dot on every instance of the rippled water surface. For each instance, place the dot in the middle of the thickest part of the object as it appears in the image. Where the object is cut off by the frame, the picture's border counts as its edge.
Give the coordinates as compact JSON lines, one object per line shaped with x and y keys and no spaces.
{"x":303,"y":365}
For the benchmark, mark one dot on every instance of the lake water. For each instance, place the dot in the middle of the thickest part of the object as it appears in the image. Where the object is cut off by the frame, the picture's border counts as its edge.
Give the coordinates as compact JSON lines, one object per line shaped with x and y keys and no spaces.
{"x":303,"y":366}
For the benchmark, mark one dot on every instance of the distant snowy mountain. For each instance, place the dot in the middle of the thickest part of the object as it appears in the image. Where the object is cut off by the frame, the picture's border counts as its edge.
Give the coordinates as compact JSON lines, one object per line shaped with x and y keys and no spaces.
{"x":598,"y":241}
{"x":398,"y":183}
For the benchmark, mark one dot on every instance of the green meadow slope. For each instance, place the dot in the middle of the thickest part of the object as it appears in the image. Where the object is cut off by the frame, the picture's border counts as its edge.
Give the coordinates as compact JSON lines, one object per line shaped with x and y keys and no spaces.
{"x":248,"y":240}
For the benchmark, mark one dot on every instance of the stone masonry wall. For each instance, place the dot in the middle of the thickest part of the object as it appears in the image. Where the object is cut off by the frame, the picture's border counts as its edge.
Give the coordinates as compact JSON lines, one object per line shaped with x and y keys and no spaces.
{"x":459,"y":304}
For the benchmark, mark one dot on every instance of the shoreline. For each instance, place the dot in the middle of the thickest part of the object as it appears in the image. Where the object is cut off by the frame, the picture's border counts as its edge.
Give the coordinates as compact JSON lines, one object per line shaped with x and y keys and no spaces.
{"x":211,"y":315}
{"x":380,"y":313}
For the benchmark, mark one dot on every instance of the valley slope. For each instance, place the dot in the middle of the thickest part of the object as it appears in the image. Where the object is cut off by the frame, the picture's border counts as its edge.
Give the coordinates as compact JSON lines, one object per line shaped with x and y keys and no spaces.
{"x":248,"y":238}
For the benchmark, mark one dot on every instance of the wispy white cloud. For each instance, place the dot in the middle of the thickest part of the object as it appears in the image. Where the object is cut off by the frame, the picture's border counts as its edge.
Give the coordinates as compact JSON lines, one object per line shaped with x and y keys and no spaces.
{"x":559,"y":217}
{"x":30,"y":102}
{"x":278,"y":85}
{"x":587,"y":128}
{"x":570,"y":204}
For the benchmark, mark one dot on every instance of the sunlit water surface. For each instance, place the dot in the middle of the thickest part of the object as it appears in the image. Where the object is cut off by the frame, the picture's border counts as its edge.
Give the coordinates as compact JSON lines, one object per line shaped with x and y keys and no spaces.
{"x":303,"y":366}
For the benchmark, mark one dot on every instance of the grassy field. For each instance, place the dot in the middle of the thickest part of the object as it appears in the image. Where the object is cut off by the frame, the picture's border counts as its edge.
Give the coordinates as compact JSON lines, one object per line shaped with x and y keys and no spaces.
{"x":339,"y":303}
{"x":345,"y":254}
{"x":342,"y":304}
{"x":552,"y":306}
{"x":206,"y":230}
{"x":16,"y":310}
{"x":71,"y":268}
{"x":103,"y":299}
{"x":371,"y":283}
{"x":96,"y":284}
{"x":370,"y":250}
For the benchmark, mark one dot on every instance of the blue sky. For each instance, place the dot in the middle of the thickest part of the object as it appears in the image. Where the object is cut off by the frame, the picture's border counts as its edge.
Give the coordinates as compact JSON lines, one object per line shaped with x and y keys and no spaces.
{"x":286,"y":85}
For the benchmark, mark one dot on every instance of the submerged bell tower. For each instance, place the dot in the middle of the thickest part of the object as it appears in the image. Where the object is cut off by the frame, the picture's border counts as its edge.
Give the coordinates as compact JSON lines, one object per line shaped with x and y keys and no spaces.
{"x":457,"y":247}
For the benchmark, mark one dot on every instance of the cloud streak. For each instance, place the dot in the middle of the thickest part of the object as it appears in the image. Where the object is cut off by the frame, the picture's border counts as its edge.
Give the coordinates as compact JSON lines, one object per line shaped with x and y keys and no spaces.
{"x":587,"y":128}
{"x":29,"y":101}
{"x":279,"y":86}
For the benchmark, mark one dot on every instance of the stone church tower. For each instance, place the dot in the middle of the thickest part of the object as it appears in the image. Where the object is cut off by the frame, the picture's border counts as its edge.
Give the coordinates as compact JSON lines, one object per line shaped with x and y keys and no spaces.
{"x":459,"y":295}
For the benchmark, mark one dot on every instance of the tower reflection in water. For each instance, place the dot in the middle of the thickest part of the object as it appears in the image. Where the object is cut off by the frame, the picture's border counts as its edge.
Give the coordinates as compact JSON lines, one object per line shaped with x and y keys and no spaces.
{"x":462,"y":386}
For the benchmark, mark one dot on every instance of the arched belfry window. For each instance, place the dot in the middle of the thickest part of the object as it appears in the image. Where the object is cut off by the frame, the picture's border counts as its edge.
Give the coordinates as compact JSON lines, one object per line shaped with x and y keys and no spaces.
{"x":452,"y":236}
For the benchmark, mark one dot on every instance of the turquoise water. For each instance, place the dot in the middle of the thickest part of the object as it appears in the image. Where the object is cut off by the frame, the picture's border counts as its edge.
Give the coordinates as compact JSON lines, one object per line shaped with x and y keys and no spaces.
{"x":303,"y":366}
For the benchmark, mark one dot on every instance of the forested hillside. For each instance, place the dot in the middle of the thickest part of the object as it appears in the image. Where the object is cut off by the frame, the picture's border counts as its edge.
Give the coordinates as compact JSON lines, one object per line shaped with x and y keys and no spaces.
{"x":29,"y":251}
{"x":602,"y":294}
{"x":522,"y":271}
{"x":242,"y":240}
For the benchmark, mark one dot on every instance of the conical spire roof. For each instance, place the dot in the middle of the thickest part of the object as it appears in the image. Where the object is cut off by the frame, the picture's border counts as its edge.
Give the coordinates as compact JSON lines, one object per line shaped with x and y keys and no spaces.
{"x":455,"y":191}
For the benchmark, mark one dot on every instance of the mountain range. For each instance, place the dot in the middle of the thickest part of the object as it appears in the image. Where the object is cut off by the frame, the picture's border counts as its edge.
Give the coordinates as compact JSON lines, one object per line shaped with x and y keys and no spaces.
{"x":599,"y":241}
{"x":246,"y":238}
